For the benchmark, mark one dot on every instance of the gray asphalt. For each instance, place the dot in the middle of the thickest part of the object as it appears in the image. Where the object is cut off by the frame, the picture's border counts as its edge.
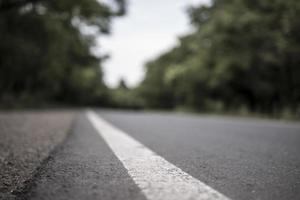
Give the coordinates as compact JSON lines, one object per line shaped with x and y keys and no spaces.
{"x":83,"y":168}
{"x":241,"y":158}
{"x":26,"y":139}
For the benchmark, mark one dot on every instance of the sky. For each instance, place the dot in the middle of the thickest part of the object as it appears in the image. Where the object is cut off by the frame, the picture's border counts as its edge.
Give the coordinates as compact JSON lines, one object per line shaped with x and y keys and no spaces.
{"x":149,"y":28}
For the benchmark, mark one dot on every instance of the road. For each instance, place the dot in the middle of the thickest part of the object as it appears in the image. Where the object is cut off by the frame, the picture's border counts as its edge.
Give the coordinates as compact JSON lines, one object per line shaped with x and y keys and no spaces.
{"x":235,"y":158}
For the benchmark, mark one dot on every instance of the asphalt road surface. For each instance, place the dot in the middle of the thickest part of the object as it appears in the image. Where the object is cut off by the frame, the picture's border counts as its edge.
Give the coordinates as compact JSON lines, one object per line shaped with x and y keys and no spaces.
{"x":140,"y":155}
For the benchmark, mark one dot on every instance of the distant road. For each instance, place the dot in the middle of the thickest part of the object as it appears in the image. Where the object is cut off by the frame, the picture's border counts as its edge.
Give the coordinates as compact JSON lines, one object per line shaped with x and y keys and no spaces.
{"x":139,"y":155}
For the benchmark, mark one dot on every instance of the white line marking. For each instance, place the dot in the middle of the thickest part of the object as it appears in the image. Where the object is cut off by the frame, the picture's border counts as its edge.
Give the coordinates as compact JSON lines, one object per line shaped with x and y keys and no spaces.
{"x":157,"y":178}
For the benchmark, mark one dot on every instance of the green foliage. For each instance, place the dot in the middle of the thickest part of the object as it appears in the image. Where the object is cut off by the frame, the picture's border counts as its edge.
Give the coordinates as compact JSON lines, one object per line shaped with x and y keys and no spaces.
{"x":45,"y":55}
{"x":243,"y":55}
{"x":123,"y":97}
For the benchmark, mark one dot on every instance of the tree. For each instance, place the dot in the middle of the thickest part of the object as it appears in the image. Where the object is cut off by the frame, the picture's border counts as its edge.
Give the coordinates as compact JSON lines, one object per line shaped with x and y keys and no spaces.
{"x":122,"y":84}
{"x":46,"y":56}
{"x":242,"y":54}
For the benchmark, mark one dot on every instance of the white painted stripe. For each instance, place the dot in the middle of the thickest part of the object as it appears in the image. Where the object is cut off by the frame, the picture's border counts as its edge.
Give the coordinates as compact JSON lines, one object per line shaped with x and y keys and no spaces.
{"x":157,"y":178}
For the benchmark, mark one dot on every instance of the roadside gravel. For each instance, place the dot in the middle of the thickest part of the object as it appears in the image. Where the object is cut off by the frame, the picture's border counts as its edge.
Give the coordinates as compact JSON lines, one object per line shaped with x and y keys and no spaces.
{"x":26,"y":140}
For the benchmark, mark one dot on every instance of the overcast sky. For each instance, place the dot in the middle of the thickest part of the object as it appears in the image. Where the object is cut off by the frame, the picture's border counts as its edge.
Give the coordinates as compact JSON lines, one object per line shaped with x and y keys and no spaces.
{"x":149,"y":28}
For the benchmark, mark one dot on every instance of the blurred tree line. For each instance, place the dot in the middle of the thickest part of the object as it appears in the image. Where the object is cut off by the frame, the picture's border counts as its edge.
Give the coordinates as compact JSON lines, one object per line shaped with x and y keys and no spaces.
{"x":45,"y":51}
{"x":243,"y":56}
